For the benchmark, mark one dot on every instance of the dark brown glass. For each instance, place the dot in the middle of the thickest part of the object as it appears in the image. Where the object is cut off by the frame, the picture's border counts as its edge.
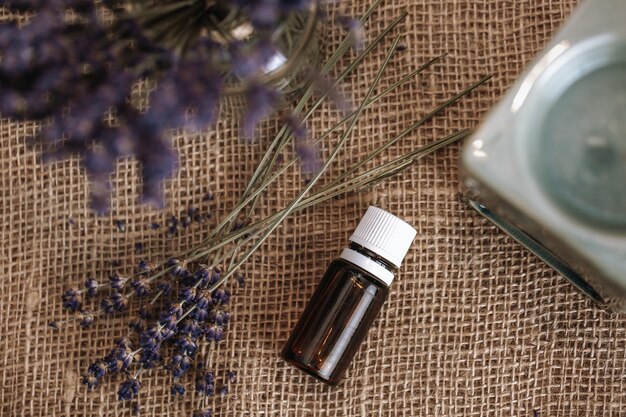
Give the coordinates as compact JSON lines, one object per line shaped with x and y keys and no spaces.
{"x":335,"y":321}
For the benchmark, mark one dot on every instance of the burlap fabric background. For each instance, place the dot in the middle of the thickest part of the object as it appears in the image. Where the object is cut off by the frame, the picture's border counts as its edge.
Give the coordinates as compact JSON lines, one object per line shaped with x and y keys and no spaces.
{"x":475,"y":325}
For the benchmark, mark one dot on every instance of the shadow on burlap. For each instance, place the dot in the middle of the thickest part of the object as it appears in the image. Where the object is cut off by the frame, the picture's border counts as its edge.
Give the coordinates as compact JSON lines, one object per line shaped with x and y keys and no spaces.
{"x":474,"y":326}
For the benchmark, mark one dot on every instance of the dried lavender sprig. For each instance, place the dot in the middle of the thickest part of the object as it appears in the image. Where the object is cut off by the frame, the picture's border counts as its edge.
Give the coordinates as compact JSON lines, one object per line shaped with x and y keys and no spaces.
{"x":335,"y":189}
{"x":284,"y":134}
{"x":290,"y":208}
{"x":341,"y":50}
{"x":211,"y":240}
{"x":269,"y":180}
{"x":268,"y":160}
{"x":364,"y":180}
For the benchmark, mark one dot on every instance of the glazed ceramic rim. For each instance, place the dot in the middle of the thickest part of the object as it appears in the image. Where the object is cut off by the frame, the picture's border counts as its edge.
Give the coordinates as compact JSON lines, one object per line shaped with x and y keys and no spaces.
{"x":576,"y":62}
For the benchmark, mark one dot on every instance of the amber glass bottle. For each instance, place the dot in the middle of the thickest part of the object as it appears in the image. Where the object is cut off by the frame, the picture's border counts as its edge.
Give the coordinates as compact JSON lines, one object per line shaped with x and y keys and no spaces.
{"x":349,"y":297}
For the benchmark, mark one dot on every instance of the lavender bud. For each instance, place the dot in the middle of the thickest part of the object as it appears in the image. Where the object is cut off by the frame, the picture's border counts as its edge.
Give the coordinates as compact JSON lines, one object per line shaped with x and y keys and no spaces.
{"x":89,"y":380}
{"x":128,"y":389}
{"x":87,"y":319}
{"x":70,"y":300}
{"x":120,"y":301}
{"x":116,"y":281}
{"x":140,"y":287}
{"x":177,"y":389}
{"x":91,"y":285}
{"x":221,"y":296}
{"x":107,"y":306}
{"x":97,"y":369}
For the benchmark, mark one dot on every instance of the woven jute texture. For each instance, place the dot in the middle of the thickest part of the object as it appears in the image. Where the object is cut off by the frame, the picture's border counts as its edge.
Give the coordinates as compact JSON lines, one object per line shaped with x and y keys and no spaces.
{"x":474,"y":326}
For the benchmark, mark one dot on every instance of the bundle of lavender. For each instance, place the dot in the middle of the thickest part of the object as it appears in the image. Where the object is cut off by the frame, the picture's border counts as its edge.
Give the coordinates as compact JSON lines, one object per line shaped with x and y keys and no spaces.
{"x":184,"y":298}
{"x":73,"y":66}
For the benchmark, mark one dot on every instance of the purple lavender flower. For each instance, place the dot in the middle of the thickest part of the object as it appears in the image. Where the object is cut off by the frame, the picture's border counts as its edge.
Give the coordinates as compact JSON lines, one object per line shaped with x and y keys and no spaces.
{"x":164,"y":287}
{"x":143,"y":266}
{"x":140,"y":286}
{"x":205,"y":383}
{"x":87,"y":318}
{"x":214,"y":333}
{"x":107,"y":306}
{"x":175,"y":266}
{"x":219,"y":316}
{"x":120,"y":301}
{"x":179,"y":365}
{"x":240,"y":279}
{"x":97,"y":369}
{"x":90,"y":381}
{"x":116,"y":281}
{"x":70,"y":300}
{"x":172,"y":225}
{"x":260,"y":102}
{"x":120,"y":224}
{"x":42,"y":78}
{"x":137,"y":324}
{"x":128,"y":389}
{"x":186,"y":344}
{"x":203,"y":277}
{"x":187,"y":294}
{"x":138,"y":247}
{"x":192,"y":328}
{"x":221,"y":296}
{"x":177,"y":390}
{"x":91,"y":286}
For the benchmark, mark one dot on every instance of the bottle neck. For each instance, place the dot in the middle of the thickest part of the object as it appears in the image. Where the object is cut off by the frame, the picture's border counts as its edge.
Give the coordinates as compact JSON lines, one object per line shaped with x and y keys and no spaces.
{"x":365,"y":259}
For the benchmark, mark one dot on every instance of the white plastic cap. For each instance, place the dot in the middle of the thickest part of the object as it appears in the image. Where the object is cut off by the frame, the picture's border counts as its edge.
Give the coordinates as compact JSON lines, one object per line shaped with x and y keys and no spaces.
{"x":384,"y":234}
